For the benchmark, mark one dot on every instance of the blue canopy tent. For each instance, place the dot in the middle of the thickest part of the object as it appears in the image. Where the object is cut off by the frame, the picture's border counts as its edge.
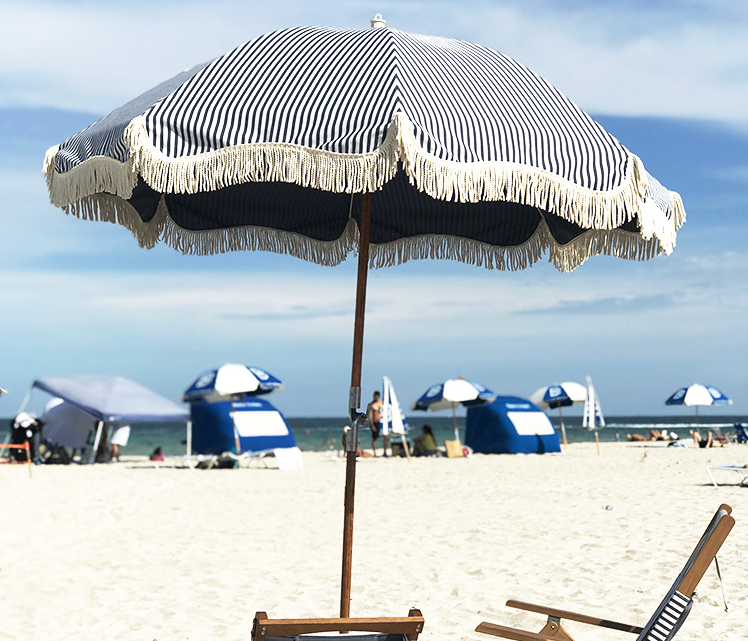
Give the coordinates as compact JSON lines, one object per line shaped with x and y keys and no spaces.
{"x":111,"y":400}
{"x":510,"y":425}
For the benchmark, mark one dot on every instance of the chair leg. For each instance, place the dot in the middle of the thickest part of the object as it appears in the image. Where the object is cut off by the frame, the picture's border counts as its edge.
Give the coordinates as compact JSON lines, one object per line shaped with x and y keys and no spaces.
{"x":555,"y":630}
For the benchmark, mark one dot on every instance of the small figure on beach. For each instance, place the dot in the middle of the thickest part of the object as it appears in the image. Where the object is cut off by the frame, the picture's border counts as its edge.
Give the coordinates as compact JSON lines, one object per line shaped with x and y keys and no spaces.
{"x":374,"y":415}
{"x":103,"y":452}
{"x":120,"y":437}
{"x":425,"y":444}
{"x":709,"y":441}
{"x":157,"y":455}
{"x":654,"y":435}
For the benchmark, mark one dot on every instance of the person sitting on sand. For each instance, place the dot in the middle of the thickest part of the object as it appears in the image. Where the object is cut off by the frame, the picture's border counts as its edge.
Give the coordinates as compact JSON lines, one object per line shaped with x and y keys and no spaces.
{"x":157,"y":455}
{"x":710,"y":441}
{"x":425,"y":444}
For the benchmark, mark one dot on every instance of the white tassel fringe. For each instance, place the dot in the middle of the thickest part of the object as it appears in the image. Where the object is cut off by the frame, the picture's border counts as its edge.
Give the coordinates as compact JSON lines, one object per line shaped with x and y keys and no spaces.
{"x":162,"y":228}
{"x":83,"y":191}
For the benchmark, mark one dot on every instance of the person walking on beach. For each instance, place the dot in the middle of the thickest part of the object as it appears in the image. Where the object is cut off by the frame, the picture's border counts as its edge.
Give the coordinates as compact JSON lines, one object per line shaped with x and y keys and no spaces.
{"x":374,"y":414}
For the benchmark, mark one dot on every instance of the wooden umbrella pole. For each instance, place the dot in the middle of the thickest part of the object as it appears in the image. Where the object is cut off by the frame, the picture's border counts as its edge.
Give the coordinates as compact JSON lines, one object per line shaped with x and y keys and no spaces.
{"x":454,"y":422}
{"x":354,"y":402}
{"x":563,"y":427}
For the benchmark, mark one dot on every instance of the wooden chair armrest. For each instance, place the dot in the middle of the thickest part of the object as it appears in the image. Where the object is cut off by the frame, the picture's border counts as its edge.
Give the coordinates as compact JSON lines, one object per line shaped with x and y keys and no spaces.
{"x":410,"y":626}
{"x":573,"y":616}
{"x":496,"y":630}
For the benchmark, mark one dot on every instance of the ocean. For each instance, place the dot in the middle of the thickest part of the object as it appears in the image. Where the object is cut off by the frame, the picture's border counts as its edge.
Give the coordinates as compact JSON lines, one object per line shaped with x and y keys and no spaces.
{"x":320,"y":434}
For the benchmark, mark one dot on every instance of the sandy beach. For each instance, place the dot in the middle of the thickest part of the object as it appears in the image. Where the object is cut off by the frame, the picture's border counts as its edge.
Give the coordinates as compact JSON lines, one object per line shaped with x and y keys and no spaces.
{"x":127,"y":551}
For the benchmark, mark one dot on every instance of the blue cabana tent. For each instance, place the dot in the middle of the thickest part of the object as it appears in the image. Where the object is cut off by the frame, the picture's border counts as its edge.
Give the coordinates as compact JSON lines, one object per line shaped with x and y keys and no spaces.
{"x":510,"y":425}
{"x":253,"y":424}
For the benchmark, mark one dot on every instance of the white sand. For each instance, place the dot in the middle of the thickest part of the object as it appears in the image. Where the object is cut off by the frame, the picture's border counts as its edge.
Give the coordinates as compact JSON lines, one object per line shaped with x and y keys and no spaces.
{"x":121,"y":552}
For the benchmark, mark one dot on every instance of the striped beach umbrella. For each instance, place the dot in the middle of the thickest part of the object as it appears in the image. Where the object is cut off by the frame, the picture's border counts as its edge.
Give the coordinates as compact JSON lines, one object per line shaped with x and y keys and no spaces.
{"x":696,"y":395}
{"x":450,"y":394}
{"x":317,"y":142}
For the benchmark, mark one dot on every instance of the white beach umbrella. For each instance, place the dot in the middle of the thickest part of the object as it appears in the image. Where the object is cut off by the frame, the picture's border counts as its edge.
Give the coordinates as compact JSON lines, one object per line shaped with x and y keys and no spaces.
{"x":558,"y":396}
{"x":450,"y":394}
{"x":696,"y":395}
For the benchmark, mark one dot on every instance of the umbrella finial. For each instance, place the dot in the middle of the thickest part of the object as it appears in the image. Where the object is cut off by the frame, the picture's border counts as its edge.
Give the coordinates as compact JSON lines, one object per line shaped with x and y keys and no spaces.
{"x":378,"y":22}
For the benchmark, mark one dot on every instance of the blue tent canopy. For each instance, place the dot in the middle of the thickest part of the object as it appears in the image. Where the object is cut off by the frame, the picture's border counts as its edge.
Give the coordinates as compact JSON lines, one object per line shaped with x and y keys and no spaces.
{"x":510,"y":425}
{"x":113,"y":399}
{"x":257,"y":424}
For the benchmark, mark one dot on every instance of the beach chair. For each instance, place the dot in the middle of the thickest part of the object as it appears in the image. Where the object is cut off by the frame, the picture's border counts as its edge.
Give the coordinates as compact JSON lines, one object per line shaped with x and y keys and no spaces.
{"x":377,"y":629}
{"x":740,"y":435}
{"x":740,"y":470}
{"x":667,"y":618}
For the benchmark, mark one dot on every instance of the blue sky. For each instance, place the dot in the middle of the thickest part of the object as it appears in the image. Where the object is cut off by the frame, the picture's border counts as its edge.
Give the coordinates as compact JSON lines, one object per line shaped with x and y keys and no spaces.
{"x":669,"y":79}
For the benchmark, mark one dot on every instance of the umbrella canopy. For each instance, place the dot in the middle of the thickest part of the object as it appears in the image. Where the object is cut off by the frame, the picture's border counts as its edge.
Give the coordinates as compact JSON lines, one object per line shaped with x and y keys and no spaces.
{"x":446,"y":395}
{"x":231,"y":379}
{"x":698,"y":395}
{"x":280,"y":144}
{"x":559,"y":395}
{"x":450,"y":394}
{"x":473,"y":157}
{"x":113,"y":399}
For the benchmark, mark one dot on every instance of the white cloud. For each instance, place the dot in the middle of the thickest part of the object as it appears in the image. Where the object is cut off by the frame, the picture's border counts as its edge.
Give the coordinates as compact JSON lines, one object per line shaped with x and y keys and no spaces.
{"x":662,"y":59}
{"x":163,"y":328}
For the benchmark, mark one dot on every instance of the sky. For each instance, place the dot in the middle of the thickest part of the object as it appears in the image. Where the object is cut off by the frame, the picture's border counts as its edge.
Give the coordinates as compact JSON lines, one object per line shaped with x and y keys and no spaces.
{"x":669,"y":79}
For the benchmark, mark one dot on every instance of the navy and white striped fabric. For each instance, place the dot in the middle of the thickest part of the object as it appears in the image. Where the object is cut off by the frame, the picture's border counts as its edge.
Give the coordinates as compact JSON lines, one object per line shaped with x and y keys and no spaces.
{"x":473,"y":156}
{"x":669,"y":619}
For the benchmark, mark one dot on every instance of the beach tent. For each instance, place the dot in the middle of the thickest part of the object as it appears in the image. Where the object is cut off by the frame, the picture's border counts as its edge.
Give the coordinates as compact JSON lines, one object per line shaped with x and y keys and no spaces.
{"x":510,"y":425}
{"x":106,"y":400}
{"x":66,"y":425}
{"x":250,"y":425}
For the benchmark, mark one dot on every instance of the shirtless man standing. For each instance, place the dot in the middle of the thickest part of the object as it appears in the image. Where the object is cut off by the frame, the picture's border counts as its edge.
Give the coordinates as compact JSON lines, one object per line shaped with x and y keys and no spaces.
{"x":374,"y":414}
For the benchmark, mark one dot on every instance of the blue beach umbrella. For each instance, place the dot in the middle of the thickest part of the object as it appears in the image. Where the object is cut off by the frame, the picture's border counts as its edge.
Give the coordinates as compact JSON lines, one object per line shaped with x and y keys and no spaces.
{"x":319,"y":142}
{"x":450,"y":394}
{"x":231,"y":380}
{"x":696,"y":395}
{"x":557,"y":396}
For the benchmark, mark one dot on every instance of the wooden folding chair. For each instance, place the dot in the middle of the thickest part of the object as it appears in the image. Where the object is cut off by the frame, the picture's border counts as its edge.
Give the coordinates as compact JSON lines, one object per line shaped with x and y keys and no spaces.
{"x":666,"y":620}
{"x":384,"y":628}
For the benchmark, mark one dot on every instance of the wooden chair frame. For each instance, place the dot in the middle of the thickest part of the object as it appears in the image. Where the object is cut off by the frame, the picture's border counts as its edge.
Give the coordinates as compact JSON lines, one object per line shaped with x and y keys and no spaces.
{"x":410,"y":626}
{"x":554,"y":631}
